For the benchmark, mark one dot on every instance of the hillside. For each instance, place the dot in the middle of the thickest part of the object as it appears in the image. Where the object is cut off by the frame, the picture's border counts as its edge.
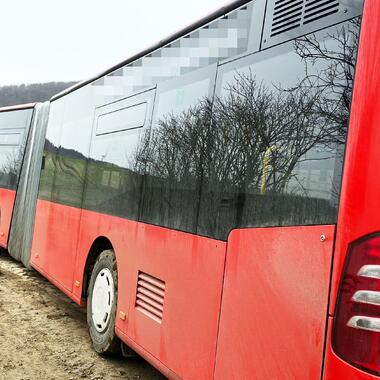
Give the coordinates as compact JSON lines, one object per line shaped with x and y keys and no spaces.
{"x":39,"y":92}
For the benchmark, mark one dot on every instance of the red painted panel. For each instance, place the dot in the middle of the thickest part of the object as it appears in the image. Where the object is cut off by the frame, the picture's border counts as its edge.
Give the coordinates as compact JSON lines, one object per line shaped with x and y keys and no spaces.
{"x":274,"y":303}
{"x":336,"y":368}
{"x":360,"y":199}
{"x":123,"y":235}
{"x":7,"y":200}
{"x":156,"y":363}
{"x":55,"y":242}
{"x":192,"y":268}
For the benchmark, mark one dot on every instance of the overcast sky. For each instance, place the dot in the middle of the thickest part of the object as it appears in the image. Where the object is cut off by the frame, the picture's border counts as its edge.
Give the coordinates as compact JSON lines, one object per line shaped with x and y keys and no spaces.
{"x":62,"y":40}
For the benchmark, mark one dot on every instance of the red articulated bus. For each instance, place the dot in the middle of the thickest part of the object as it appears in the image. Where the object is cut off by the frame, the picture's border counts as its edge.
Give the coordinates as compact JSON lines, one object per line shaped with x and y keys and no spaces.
{"x":214,"y":200}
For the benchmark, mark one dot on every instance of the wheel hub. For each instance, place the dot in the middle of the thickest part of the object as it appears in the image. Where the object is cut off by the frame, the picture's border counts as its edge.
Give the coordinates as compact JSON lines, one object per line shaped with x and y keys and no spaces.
{"x":102,"y":299}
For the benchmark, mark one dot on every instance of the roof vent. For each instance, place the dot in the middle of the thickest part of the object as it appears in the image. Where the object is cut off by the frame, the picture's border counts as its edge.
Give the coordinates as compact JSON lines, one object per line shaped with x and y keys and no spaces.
{"x":287,"y":15}
{"x":317,"y":9}
{"x":287,"y":19}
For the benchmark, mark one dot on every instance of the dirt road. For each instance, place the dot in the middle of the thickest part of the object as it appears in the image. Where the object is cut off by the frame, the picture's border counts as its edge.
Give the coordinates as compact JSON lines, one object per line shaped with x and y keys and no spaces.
{"x":43,"y":334}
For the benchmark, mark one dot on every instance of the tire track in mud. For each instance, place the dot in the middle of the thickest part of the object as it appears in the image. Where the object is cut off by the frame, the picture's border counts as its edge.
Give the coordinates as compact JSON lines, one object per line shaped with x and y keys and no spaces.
{"x":43,"y":334}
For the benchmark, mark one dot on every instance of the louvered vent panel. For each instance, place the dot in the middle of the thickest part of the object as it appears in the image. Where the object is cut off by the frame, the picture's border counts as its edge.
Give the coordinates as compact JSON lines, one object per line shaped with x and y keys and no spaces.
{"x":316,"y":9}
{"x":287,"y":15}
{"x":150,"y":296}
{"x":291,"y":14}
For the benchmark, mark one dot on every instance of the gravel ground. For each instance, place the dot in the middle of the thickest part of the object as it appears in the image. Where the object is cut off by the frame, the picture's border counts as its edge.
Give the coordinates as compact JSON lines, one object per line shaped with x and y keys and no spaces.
{"x":43,"y":335}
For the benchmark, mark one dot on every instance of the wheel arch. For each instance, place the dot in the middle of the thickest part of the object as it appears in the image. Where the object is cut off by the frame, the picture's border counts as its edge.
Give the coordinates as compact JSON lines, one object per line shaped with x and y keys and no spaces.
{"x":100,"y":244}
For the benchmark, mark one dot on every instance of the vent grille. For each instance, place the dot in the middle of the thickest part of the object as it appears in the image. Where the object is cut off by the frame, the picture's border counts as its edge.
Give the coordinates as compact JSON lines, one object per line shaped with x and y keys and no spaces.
{"x":150,"y":296}
{"x":316,"y":9}
{"x":291,"y":14}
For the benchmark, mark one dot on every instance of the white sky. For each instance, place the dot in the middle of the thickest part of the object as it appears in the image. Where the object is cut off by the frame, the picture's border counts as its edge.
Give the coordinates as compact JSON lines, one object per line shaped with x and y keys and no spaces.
{"x":62,"y":40}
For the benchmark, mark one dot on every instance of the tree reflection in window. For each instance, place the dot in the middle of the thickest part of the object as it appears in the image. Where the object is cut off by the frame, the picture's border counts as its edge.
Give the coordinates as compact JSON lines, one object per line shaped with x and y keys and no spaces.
{"x":266,"y":150}
{"x":262,"y":153}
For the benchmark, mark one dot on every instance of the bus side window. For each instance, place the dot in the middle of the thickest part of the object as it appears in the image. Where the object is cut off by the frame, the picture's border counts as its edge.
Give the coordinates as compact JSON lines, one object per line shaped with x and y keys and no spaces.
{"x":278,"y":143}
{"x":176,"y":152}
{"x":14,"y":126}
{"x":115,"y":169}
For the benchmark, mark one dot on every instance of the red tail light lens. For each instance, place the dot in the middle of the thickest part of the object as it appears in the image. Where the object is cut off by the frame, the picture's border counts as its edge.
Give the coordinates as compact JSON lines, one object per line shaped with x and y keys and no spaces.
{"x":356,"y":333}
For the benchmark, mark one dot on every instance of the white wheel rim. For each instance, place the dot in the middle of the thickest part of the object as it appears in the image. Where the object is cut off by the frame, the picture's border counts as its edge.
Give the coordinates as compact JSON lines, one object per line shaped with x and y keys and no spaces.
{"x":102,"y":299}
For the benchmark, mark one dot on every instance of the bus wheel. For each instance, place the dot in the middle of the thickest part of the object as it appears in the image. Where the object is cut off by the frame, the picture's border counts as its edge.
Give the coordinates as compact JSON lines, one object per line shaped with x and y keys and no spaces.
{"x":101,"y":304}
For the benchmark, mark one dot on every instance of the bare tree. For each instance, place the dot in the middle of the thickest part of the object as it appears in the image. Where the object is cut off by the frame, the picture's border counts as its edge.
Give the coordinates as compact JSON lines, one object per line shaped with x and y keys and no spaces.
{"x":330,"y":68}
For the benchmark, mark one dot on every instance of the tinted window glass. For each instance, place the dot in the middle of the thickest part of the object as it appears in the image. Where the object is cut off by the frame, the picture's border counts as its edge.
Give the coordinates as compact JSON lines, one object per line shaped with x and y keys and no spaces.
{"x":127,"y":118}
{"x":69,"y":175}
{"x":115,"y":175}
{"x":280,"y":123}
{"x":174,"y":153}
{"x":18,"y":119}
{"x":66,"y":149}
{"x":70,"y":162}
{"x":113,"y":180}
{"x":266,"y":150}
{"x":11,"y":139}
{"x":50,"y":154}
{"x":14,"y":127}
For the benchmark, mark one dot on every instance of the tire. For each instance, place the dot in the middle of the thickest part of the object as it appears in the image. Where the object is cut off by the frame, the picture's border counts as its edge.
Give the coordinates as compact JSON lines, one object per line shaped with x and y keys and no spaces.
{"x":102,"y":304}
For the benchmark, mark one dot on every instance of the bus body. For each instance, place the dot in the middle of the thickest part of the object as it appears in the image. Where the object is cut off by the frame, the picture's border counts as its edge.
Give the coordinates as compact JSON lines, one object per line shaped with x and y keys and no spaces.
{"x":14,"y":128}
{"x":232,"y":172}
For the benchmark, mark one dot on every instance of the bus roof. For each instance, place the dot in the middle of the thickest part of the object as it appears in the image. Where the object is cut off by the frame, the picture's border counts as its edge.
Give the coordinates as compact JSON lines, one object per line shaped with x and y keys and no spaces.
{"x":17,"y":107}
{"x":205,"y":20}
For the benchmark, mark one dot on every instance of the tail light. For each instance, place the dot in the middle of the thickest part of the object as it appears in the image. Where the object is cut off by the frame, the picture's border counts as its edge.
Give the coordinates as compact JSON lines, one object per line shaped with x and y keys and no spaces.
{"x":356,"y":333}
